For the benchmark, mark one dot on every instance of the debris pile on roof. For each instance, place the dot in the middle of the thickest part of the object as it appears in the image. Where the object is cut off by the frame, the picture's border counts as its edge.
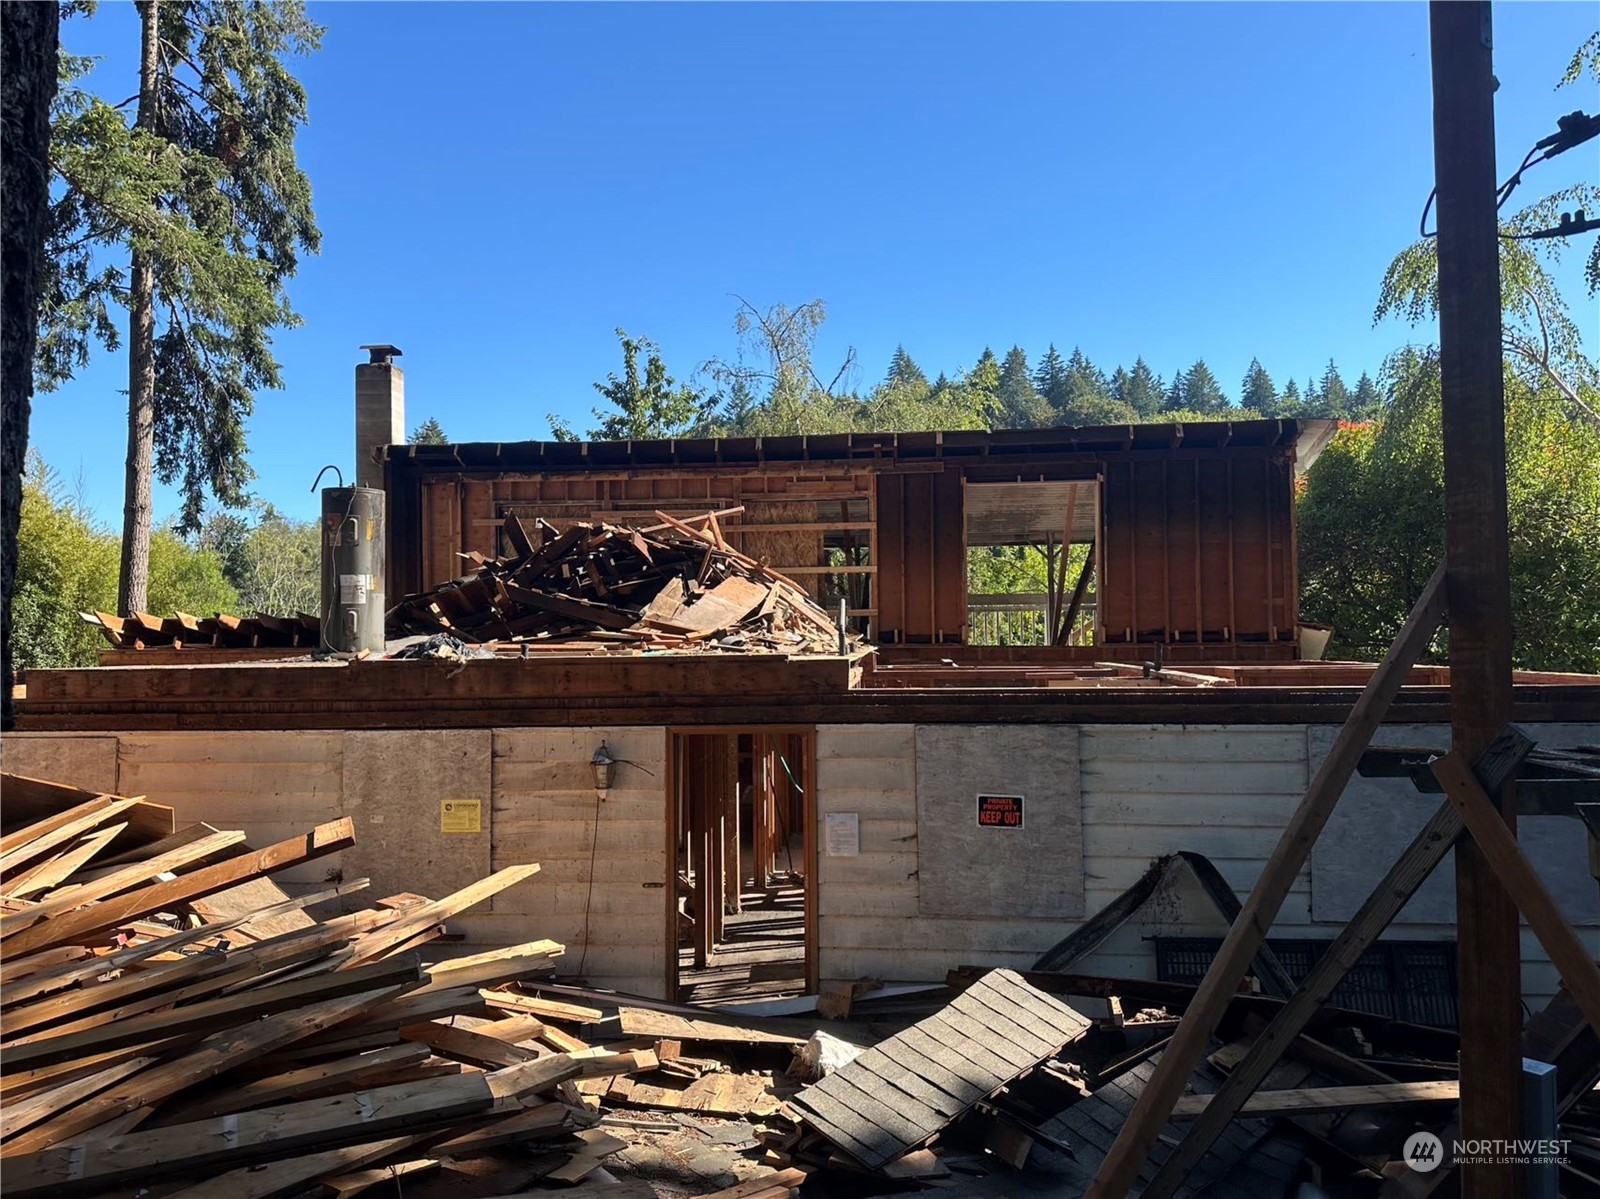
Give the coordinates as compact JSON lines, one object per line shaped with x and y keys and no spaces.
{"x":666,"y":586}
{"x":182,"y":631}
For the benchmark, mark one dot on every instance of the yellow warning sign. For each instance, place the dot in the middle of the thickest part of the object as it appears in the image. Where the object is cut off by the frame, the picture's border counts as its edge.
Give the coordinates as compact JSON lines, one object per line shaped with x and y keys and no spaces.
{"x":460,"y":815}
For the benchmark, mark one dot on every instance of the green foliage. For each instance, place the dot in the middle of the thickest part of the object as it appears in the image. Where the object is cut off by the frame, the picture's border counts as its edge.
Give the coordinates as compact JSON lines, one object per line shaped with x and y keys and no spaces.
{"x":1140,"y":389}
{"x":1021,"y":405}
{"x":67,"y":564}
{"x":429,"y":432}
{"x":1258,"y":391}
{"x":903,"y":371}
{"x":207,"y":187}
{"x":1200,"y":390}
{"x":1050,"y":378}
{"x":645,"y":405}
{"x":1371,"y":521}
{"x":274,"y":562}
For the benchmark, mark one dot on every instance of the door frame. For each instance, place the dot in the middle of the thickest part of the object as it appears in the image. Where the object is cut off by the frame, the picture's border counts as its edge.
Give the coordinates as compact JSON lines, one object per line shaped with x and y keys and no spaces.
{"x":809,"y":856}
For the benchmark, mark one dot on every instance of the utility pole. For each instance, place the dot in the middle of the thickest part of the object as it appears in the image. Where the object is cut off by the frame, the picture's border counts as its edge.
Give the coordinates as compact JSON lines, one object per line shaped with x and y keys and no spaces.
{"x":1478,"y":580}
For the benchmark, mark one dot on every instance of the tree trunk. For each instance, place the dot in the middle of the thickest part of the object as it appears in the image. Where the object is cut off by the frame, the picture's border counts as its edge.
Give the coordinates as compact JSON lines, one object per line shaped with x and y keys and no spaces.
{"x":133,"y":583}
{"x":28,"y":34}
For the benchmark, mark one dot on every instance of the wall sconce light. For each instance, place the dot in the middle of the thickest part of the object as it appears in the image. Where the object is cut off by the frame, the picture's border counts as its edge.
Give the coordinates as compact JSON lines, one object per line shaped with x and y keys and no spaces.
{"x":605,"y":769}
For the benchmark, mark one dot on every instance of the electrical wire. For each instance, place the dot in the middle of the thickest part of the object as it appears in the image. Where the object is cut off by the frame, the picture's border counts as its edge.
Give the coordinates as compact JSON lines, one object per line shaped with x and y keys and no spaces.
{"x":588,"y":899}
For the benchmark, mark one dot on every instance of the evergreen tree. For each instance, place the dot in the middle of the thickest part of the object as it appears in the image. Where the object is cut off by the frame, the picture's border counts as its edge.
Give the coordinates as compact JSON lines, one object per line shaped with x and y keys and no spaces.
{"x":1172,"y":401}
{"x":193,"y":218}
{"x":429,"y":432}
{"x":1142,"y":391}
{"x":904,"y":371}
{"x":1088,"y":398}
{"x":1021,"y":407}
{"x":1335,"y":395}
{"x":1201,"y":391}
{"x":985,"y":373}
{"x":1312,"y":404}
{"x":1366,"y":401}
{"x":1291,"y":403}
{"x":1257,"y":391}
{"x":1050,"y":379}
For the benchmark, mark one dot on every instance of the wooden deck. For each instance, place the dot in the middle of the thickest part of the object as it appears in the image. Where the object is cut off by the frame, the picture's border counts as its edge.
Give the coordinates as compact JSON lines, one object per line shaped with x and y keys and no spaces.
{"x":899,"y":1095}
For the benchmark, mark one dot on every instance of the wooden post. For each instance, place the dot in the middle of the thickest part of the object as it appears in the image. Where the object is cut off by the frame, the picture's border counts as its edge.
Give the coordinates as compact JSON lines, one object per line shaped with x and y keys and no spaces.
{"x":1478,"y":587}
{"x":1126,"y":1156}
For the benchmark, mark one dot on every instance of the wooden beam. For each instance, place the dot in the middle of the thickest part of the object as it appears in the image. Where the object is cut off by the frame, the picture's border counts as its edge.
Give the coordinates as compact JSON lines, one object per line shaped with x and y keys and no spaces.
{"x":1522,"y":883}
{"x":1329,"y":1099}
{"x":1127,"y":1154}
{"x":76,"y":925}
{"x":1427,"y":849}
{"x":1477,"y":548}
{"x":221,"y":1051}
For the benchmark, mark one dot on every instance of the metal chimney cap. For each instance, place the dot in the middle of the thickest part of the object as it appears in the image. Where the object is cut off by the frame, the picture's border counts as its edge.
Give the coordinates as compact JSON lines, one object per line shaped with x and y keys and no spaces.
{"x":382,"y":355}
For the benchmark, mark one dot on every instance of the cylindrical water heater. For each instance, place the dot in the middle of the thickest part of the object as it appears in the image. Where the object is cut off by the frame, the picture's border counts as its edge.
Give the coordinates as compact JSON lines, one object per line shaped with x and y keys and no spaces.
{"x":352,"y":569}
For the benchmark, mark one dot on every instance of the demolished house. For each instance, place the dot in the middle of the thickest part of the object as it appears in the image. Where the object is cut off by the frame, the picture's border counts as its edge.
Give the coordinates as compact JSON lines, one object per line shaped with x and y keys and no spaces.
{"x":734,"y":698}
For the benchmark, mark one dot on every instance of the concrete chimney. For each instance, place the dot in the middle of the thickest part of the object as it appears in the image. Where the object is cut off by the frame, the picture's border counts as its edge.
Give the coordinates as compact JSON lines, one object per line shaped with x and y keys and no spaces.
{"x":380,"y":411}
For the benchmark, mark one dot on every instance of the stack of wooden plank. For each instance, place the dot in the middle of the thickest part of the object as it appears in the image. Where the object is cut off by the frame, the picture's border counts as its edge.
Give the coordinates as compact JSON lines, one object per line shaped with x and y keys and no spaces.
{"x":169,"y":1015}
{"x":143,"y":630}
{"x":677,"y":584}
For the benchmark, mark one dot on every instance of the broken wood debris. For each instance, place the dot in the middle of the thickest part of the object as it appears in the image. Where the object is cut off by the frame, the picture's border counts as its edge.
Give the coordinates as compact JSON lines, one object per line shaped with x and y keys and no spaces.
{"x":675,"y":585}
{"x":146,"y":1036}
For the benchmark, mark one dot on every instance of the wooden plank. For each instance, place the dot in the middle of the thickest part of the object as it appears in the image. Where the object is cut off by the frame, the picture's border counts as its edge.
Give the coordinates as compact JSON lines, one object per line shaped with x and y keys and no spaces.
{"x":212,"y":1014}
{"x":34,"y":800}
{"x":253,"y":895}
{"x":465,"y":1045}
{"x":60,"y":831}
{"x":292,"y":1174}
{"x":122,"y":879}
{"x":13,"y":970}
{"x":545,"y":1009}
{"x":309,"y":1125}
{"x":640,"y":1022}
{"x":1414,"y":865}
{"x":221,"y":1051}
{"x":54,"y":871}
{"x":345,"y":1073}
{"x":1330,"y":1099}
{"x":597,"y":1146}
{"x":108,"y":913}
{"x":750,"y":1188}
{"x":415,"y":920}
{"x":1521,"y":881}
{"x":1248,"y":933}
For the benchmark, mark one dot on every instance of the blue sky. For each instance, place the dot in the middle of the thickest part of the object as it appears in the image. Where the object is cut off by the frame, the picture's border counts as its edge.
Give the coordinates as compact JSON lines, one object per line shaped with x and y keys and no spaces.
{"x":501,"y":185}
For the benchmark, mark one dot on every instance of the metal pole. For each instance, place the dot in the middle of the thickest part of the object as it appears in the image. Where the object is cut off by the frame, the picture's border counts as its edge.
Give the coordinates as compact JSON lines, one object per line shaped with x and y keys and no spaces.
{"x":1478,"y":587}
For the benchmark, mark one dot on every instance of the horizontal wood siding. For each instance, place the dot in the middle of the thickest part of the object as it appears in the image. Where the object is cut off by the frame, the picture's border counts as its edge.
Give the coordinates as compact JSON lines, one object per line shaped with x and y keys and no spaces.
{"x":1225,"y":791}
{"x":546,"y":811}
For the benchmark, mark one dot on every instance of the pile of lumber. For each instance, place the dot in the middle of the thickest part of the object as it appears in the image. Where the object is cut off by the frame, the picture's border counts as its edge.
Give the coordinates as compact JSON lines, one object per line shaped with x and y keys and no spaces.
{"x":169,"y":1015}
{"x":183,"y":631}
{"x":673,"y":585}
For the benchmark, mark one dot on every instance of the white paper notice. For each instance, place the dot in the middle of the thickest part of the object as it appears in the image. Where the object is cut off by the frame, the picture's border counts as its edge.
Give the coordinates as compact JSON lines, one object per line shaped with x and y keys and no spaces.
{"x":352,"y":589}
{"x":841,"y":835}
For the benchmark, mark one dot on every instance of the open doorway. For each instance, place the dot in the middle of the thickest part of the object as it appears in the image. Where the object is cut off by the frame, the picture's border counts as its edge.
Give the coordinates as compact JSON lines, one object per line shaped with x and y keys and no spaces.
{"x":742,"y":885}
{"x":1031,"y":571}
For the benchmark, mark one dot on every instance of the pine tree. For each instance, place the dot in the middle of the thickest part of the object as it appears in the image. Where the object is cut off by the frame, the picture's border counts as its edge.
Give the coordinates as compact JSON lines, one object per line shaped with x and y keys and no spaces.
{"x":1050,"y":379}
{"x":1088,"y":395}
{"x":1021,"y":407}
{"x":1257,"y":392}
{"x":1367,"y":400}
{"x":1172,"y":401}
{"x":193,"y":218}
{"x":1312,"y":404}
{"x":429,"y":432}
{"x":645,"y":405}
{"x":1201,"y":391}
{"x":1335,"y":395}
{"x":904,"y":371}
{"x":1291,"y":403}
{"x":1142,"y":391}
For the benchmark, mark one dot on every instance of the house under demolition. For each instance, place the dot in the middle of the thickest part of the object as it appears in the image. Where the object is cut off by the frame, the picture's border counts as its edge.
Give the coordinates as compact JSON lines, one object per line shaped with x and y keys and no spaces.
{"x":941,"y":793}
